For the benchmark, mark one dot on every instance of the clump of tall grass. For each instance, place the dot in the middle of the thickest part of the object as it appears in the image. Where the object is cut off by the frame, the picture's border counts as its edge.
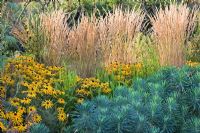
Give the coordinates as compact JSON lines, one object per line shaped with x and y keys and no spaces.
{"x":104,"y":40}
{"x":117,"y":32}
{"x":172,"y":27}
{"x":91,"y":43}
{"x":83,"y":39}
{"x":55,"y":28}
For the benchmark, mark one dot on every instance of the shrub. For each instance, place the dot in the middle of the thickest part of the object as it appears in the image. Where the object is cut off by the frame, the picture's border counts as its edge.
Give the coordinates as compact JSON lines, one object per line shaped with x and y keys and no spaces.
{"x":165,"y":102}
{"x":172,"y":26}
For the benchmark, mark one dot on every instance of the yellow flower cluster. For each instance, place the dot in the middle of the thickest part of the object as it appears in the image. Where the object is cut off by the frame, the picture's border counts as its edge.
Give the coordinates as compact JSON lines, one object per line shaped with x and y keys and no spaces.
{"x":192,"y":64}
{"x":61,"y":114}
{"x":123,"y":72}
{"x":90,"y":87}
{"x":28,"y":86}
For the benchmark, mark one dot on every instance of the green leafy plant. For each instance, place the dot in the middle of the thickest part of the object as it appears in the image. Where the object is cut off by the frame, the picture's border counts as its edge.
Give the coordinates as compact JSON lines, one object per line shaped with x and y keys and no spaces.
{"x":193,"y":51}
{"x":8,"y":43}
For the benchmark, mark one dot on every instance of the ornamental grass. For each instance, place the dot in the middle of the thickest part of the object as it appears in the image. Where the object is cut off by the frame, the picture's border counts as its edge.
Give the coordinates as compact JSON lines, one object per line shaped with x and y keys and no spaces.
{"x":172,"y":28}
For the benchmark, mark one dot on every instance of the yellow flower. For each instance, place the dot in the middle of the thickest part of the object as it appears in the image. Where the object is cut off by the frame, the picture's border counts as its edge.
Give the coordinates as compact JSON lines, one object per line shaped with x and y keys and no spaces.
{"x":80,"y":91}
{"x":2,"y":114}
{"x":47,"y":104}
{"x":80,"y":100}
{"x":192,"y":64}
{"x":106,"y":90}
{"x":37,"y":118}
{"x":2,"y":88}
{"x":78,"y":79}
{"x":21,"y":109}
{"x":31,"y":95}
{"x":60,"y":109}
{"x":48,"y":90}
{"x":31,"y":109}
{"x":2,"y":91}
{"x":16,"y":118}
{"x":119,"y":77}
{"x":32,"y":87}
{"x":7,"y":80}
{"x":2,"y":127}
{"x":14,"y":101}
{"x":23,"y":83}
{"x":61,"y":101}
{"x":138,"y":66}
{"x":26,"y":101}
{"x":62,"y":116}
{"x":20,"y":128}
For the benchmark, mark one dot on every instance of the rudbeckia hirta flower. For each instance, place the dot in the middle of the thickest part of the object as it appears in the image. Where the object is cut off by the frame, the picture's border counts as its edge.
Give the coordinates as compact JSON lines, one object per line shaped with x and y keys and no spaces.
{"x":80,"y":100}
{"x":2,"y":127}
{"x":31,"y":109}
{"x":47,"y":104}
{"x":37,"y":118}
{"x":61,"y":101}
{"x":62,"y":116}
{"x":21,"y":110}
{"x":20,"y":128}
{"x":14,"y":101}
{"x":60,"y":109}
{"x":26,"y":101}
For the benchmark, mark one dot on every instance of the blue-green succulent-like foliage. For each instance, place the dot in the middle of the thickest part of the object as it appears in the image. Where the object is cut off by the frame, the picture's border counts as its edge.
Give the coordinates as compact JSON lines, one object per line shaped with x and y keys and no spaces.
{"x":39,"y":128}
{"x":167,"y":102}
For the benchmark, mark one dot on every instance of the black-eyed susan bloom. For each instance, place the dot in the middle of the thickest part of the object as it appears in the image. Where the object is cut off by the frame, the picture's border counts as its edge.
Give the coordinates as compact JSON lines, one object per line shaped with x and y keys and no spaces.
{"x":37,"y":118}
{"x":21,"y":110}
{"x":62,"y":116}
{"x":80,"y":100}
{"x":61,"y":101}
{"x":21,"y":128}
{"x":31,"y":109}
{"x":60,"y":109}
{"x":2,"y":126}
{"x":47,"y":104}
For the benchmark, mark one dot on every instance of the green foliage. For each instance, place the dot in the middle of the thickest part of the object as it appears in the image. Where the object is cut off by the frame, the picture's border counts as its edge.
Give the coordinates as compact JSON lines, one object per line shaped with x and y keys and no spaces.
{"x":36,"y":39}
{"x":39,"y":128}
{"x":8,"y":43}
{"x":193,"y":53}
{"x":166,"y":102}
{"x":68,"y":84}
{"x":147,"y":55}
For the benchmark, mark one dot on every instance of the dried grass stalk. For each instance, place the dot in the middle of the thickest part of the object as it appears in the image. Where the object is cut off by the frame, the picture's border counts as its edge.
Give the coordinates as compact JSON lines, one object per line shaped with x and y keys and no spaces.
{"x":83,"y":38}
{"x":117,"y":32}
{"x":172,"y":27}
{"x":56,"y":30}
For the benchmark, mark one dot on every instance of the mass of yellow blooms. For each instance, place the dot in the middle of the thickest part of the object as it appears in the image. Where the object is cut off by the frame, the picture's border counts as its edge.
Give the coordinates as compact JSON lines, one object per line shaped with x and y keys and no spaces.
{"x":192,"y":64}
{"x":27,"y":88}
{"x":90,"y":87}
{"x":123,"y":73}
